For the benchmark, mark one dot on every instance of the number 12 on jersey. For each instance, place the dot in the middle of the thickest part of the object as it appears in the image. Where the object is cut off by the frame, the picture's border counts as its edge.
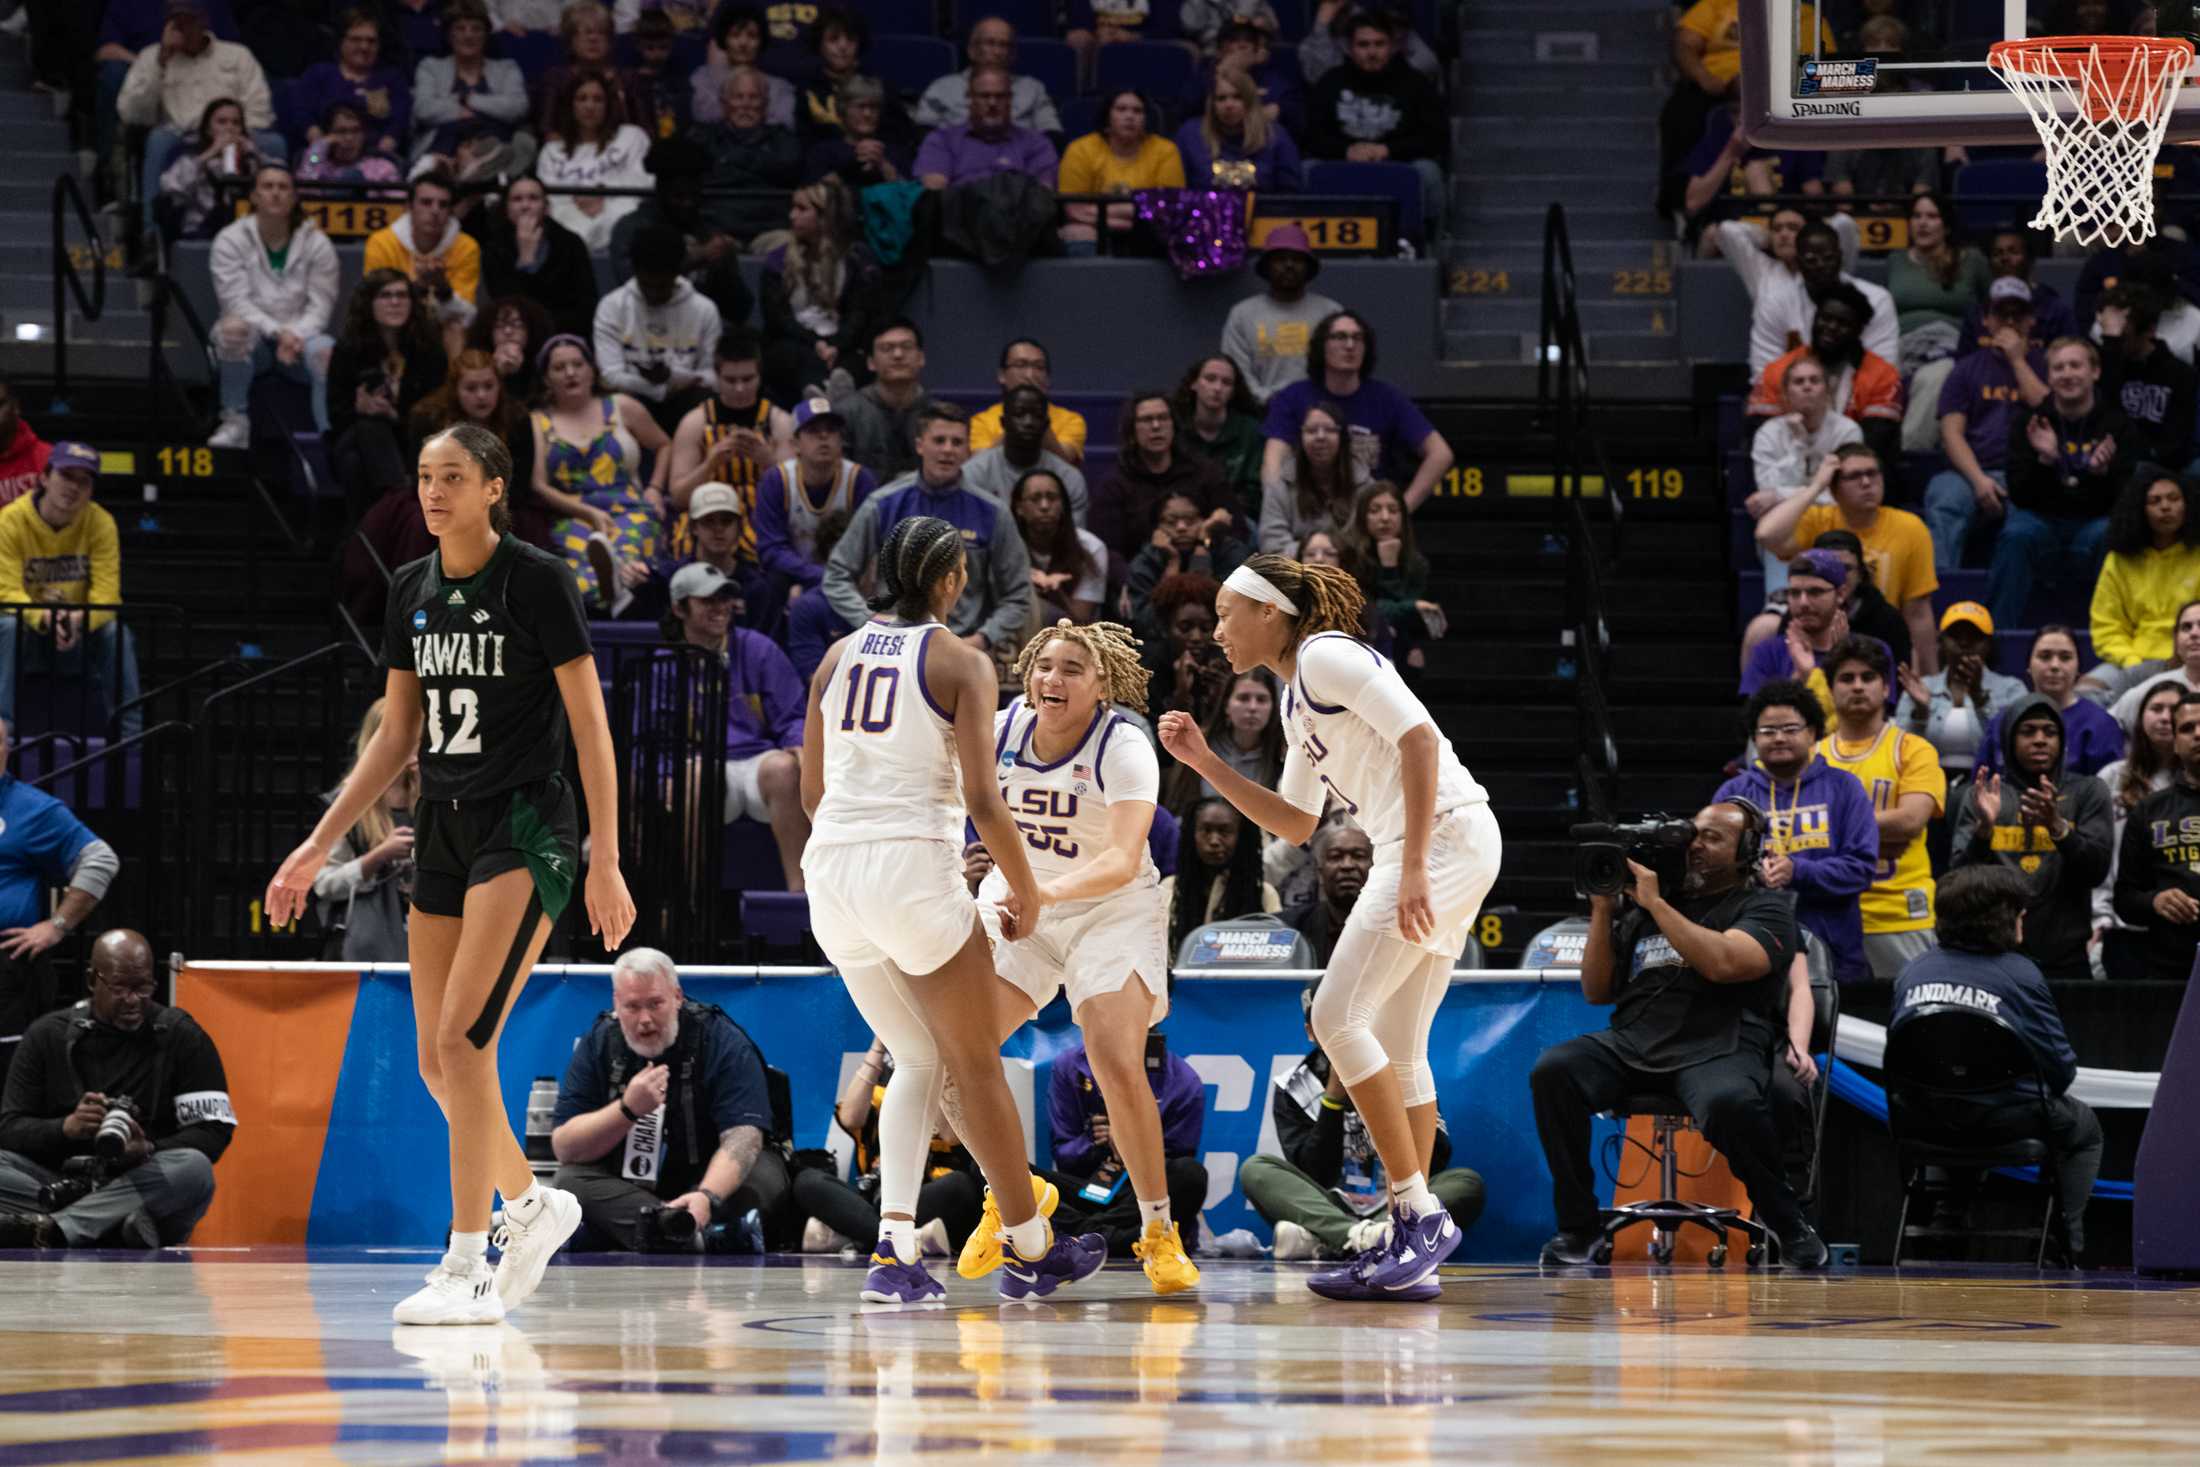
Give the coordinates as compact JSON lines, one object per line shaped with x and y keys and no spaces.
{"x":868,"y":691}
{"x":466,"y":711}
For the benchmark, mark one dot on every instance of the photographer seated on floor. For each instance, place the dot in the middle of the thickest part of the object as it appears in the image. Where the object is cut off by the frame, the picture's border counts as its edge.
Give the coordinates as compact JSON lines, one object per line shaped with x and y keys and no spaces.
{"x":115,"y":1113}
{"x":1700,"y":983}
{"x":663,"y":1121}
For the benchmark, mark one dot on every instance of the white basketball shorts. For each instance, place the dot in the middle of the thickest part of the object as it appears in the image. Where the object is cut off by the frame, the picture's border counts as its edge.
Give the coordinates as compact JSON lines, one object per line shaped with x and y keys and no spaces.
{"x":890,"y":901}
{"x":1085,"y":948}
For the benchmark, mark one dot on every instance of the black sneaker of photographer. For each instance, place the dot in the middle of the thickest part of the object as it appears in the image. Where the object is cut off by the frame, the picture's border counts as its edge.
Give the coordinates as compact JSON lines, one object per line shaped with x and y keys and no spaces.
{"x":1802,"y":1248}
{"x":1567,"y":1250}
{"x":27,"y":1230}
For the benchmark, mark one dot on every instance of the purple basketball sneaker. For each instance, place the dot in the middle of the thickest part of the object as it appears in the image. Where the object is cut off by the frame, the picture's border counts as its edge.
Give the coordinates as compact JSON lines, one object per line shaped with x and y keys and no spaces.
{"x":891,"y":1281}
{"x":1401,"y":1268}
{"x":1067,"y":1261}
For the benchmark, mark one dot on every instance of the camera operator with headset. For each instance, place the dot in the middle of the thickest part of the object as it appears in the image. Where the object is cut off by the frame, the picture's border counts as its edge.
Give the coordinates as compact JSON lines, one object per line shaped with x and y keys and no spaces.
{"x":664,"y":1118}
{"x":1700,"y":984}
{"x":115,"y":1113}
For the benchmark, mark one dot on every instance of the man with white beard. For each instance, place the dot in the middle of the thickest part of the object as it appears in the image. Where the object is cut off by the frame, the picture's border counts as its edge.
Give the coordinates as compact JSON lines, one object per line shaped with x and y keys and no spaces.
{"x":663,"y":1119}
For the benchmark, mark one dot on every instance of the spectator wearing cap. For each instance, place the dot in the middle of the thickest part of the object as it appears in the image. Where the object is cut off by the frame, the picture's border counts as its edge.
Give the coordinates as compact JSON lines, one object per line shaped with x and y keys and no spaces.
{"x":1951,"y":708}
{"x":1385,"y":433}
{"x":1812,"y":625}
{"x":713,"y":258}
{"x":1860,"y":384}
{"x":175,"y":79}
{"x":429,"y":249}
{"x":2068,"y":459}
{"x":992,"y":45}
{"x":467,"y":90}
{"x":58,"y":549}
{"x":765,"y":710}
{"x":714,"y":531}
{"x":2009,"y":256}
{"x":1897,"y":546}
{"x":1985,"y":395}
{"x":990,"y":142}
{"x":1378,"y":109}
{"x":275,"y":276}
{"x":1025,"y":362}
{"x":1022,"y":448}
{"x":1267,"y":335}
{"x":798,"y":495}
{"x":23,"y":453}
{"x":2144,"y":377}
{"x":865,"y":150}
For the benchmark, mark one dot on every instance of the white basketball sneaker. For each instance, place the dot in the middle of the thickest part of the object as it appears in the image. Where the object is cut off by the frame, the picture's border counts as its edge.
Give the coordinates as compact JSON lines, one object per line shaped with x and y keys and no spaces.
{"x":461,"y":1293}
{"x":1295,"y":1243}
{"x":526,"y":1247}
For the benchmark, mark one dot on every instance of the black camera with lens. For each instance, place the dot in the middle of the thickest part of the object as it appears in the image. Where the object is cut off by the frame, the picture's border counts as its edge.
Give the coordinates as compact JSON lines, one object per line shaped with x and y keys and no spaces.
{"x":664,"y":1230}
{"x":118,"y":1129}
{"x":80,"y":1177}
{"x":1602,"y":851}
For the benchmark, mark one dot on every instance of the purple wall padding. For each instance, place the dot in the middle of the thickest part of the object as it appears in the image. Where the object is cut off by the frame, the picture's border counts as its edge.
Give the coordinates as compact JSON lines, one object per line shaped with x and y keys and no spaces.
{"x":2165,"y":1208}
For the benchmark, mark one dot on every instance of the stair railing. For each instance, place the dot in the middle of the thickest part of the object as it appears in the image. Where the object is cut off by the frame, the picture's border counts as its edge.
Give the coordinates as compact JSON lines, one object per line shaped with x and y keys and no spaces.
{"x":131,"y":795}
{"x":1562,"y":403}
{"x":68,"y":281}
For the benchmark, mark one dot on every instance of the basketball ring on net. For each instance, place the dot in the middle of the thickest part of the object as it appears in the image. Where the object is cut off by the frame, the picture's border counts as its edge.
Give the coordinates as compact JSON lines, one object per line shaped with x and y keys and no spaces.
{"x":2101,"y":105}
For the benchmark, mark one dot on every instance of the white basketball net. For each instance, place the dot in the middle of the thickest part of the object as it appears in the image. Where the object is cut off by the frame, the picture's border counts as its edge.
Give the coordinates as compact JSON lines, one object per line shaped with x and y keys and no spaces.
{"x":2101,"y":129}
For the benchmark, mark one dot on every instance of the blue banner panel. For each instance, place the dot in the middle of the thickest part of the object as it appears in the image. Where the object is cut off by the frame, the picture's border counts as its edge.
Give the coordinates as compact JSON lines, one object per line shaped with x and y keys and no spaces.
{"x":383,"y":1173}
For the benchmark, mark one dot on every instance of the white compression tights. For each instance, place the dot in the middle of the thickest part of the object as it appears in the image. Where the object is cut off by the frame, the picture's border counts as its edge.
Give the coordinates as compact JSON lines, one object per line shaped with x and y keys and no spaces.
{"x":910,"y":1113}
{"x":1375,"y":1006}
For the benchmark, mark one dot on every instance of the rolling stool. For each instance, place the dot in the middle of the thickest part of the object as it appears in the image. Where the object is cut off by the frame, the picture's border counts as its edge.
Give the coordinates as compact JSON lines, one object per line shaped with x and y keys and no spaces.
{"x":1668,"y":1215}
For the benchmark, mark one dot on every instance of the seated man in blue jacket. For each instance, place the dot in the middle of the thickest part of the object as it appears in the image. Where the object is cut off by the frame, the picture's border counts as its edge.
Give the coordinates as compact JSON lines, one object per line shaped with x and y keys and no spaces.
{"x":1821,"y":839}
{"x":1096,"y":1191}
{"x":1980,"y":921}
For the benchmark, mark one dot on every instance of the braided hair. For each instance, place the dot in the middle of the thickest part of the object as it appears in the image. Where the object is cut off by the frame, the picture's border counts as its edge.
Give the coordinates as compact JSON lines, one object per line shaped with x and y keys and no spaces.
{"x":1113,"y":650}
{"x":492,"y":458}
{"x":919,"y":552}
{"x":1328,"y":597}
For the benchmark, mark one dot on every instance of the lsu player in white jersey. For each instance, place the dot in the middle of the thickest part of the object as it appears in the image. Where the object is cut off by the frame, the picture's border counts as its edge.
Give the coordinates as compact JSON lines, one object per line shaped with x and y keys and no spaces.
{"x":1080,"y":780}
{"x":1356,"y":734}
{"x":900,"y":734}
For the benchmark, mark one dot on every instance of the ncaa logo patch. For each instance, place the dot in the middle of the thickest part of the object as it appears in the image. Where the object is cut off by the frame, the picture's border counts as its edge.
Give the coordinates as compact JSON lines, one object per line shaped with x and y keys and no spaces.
{"x":420,"y":621}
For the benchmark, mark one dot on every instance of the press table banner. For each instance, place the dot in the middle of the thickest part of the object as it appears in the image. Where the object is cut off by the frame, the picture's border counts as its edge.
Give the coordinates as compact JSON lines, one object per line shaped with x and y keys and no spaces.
{"x":338,"y":1141}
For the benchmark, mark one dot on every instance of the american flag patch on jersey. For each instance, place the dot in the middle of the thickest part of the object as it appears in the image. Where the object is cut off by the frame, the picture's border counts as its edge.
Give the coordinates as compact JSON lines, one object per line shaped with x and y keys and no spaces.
{"x":1080,"y":771}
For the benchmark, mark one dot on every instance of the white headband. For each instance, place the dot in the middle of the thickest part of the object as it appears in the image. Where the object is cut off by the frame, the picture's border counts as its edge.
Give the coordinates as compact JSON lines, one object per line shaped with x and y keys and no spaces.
{"x":1249,"y":582}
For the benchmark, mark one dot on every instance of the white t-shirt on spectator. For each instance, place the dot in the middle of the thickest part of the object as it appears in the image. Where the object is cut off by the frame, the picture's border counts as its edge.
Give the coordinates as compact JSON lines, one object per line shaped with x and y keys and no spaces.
{"x":1784,"y":455}
{"x":1743,"y":246}
{"x":1784,"y":307}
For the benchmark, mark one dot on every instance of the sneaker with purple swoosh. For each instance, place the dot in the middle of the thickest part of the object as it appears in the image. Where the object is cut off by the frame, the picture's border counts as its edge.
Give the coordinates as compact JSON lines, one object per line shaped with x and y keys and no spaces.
{"x":1066,"y":1261}
{"x":892,"y":1281}
{"x":1403,"y":1269}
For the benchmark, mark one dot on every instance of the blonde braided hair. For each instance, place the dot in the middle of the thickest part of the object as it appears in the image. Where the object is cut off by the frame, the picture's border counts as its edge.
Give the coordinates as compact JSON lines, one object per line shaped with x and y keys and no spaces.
{"x":1328,"y":597}
{"x":1112,"y":648}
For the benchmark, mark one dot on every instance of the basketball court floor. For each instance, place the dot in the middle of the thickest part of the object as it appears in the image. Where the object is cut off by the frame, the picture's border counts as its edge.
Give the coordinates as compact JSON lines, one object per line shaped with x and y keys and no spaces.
{"x":284,"y":1357}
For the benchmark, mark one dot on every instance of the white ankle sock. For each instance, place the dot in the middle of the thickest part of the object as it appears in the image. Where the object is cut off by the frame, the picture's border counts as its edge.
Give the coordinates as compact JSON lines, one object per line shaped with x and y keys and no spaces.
{"x":1413,"y":1195}
{"x":521,"y":1209}
{"x":466,"y":1249}
{"x":902,"y":1233}
{"x":1029,"y":1238}
{"x":1153,"y":1212}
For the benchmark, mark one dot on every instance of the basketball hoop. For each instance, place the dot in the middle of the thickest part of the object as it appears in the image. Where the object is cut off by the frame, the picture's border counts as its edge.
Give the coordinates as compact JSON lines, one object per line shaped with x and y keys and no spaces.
{"x":2101,"y":105}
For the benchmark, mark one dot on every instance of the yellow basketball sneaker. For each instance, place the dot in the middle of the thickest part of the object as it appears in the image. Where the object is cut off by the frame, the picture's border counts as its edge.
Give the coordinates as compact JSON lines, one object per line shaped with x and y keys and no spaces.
{"x":1167,"y":1267}
{"x":982,"y":1250}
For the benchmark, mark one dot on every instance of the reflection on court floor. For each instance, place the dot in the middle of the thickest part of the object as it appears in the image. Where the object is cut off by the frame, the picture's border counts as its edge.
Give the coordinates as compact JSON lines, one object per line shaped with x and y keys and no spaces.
{"x":281,"y":1356}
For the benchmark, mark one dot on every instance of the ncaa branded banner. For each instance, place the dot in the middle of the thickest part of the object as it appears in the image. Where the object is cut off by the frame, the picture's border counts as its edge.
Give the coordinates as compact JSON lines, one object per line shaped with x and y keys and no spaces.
{"x":339,"y":1143}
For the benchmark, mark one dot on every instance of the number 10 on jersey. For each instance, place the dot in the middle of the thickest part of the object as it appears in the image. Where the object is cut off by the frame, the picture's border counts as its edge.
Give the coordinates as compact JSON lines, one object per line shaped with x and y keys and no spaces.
{"x":870,"y":699}
{"x":465,"y":712}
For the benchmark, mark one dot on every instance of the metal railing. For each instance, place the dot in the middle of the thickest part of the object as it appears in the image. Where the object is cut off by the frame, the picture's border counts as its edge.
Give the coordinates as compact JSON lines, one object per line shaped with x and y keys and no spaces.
{"x":668,"y":722}
{"x":130,"y":793}
{"x":68,"y":282}
{"x":65,"y":675}
{"x":265,"y":752}
{"x":1562,"y":403}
